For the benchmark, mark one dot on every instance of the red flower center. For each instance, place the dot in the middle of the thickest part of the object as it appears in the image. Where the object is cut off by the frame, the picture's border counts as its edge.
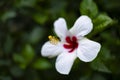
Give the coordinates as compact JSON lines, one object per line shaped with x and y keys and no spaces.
{"x":71,"y":44}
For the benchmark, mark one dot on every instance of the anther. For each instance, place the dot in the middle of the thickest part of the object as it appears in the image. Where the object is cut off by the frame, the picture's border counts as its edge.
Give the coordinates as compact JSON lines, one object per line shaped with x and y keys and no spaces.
{"x":53,"y":40}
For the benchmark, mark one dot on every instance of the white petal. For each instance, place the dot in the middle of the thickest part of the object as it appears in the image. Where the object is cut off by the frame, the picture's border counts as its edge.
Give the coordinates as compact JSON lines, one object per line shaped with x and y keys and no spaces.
{"x":50,"y":50}
{"x":60,"y":28}
{"x":82,"y":26}
{"x":88,"y":50}
{"x":64,"y":62}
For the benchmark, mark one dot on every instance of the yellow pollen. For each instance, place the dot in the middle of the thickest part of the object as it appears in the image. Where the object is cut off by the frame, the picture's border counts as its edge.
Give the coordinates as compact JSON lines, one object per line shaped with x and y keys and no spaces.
{"x":53,"y":40}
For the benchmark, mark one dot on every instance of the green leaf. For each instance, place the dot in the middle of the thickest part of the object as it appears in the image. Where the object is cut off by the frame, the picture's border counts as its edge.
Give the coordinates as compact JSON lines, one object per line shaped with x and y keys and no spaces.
{"x":105,"y":55}
{"x":16,"y":71}
{"x":41,"y":64}
{"x":98,"y":77}
{"x":26,"y":57}
{"x":35,"y":35}
{"x":5,"y":78}
{"x":5,"y":63}
{"x":28,"y":53}
{"x":23,"y":65}
{"x":18,"y":58}
{"x":89,"y":8}
{"x":84,"y":78}
{"x":7,"y":15}
{"x":99,"y":66}
{"x":40,"y":18}
{"x":25,"y":3}
{"x":107,"y":37}
{"x":101,"y":22}
{"x":8,"y":45}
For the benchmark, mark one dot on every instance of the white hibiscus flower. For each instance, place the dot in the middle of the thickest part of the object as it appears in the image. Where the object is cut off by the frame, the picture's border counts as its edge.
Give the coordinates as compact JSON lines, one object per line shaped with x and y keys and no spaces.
{"x":72,"y":44}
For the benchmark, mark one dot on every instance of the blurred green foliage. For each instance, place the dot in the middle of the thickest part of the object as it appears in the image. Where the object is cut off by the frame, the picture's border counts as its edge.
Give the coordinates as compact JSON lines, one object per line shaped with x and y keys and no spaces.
{"x":25,"y":25}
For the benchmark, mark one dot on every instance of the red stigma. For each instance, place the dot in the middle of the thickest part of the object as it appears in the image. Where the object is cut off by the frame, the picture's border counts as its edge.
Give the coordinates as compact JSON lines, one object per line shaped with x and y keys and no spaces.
{"x":71,"y":44}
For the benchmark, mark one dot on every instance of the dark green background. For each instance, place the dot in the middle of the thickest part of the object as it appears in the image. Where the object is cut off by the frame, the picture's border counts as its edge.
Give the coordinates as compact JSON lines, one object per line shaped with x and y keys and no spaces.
{"x":26,"y":24}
